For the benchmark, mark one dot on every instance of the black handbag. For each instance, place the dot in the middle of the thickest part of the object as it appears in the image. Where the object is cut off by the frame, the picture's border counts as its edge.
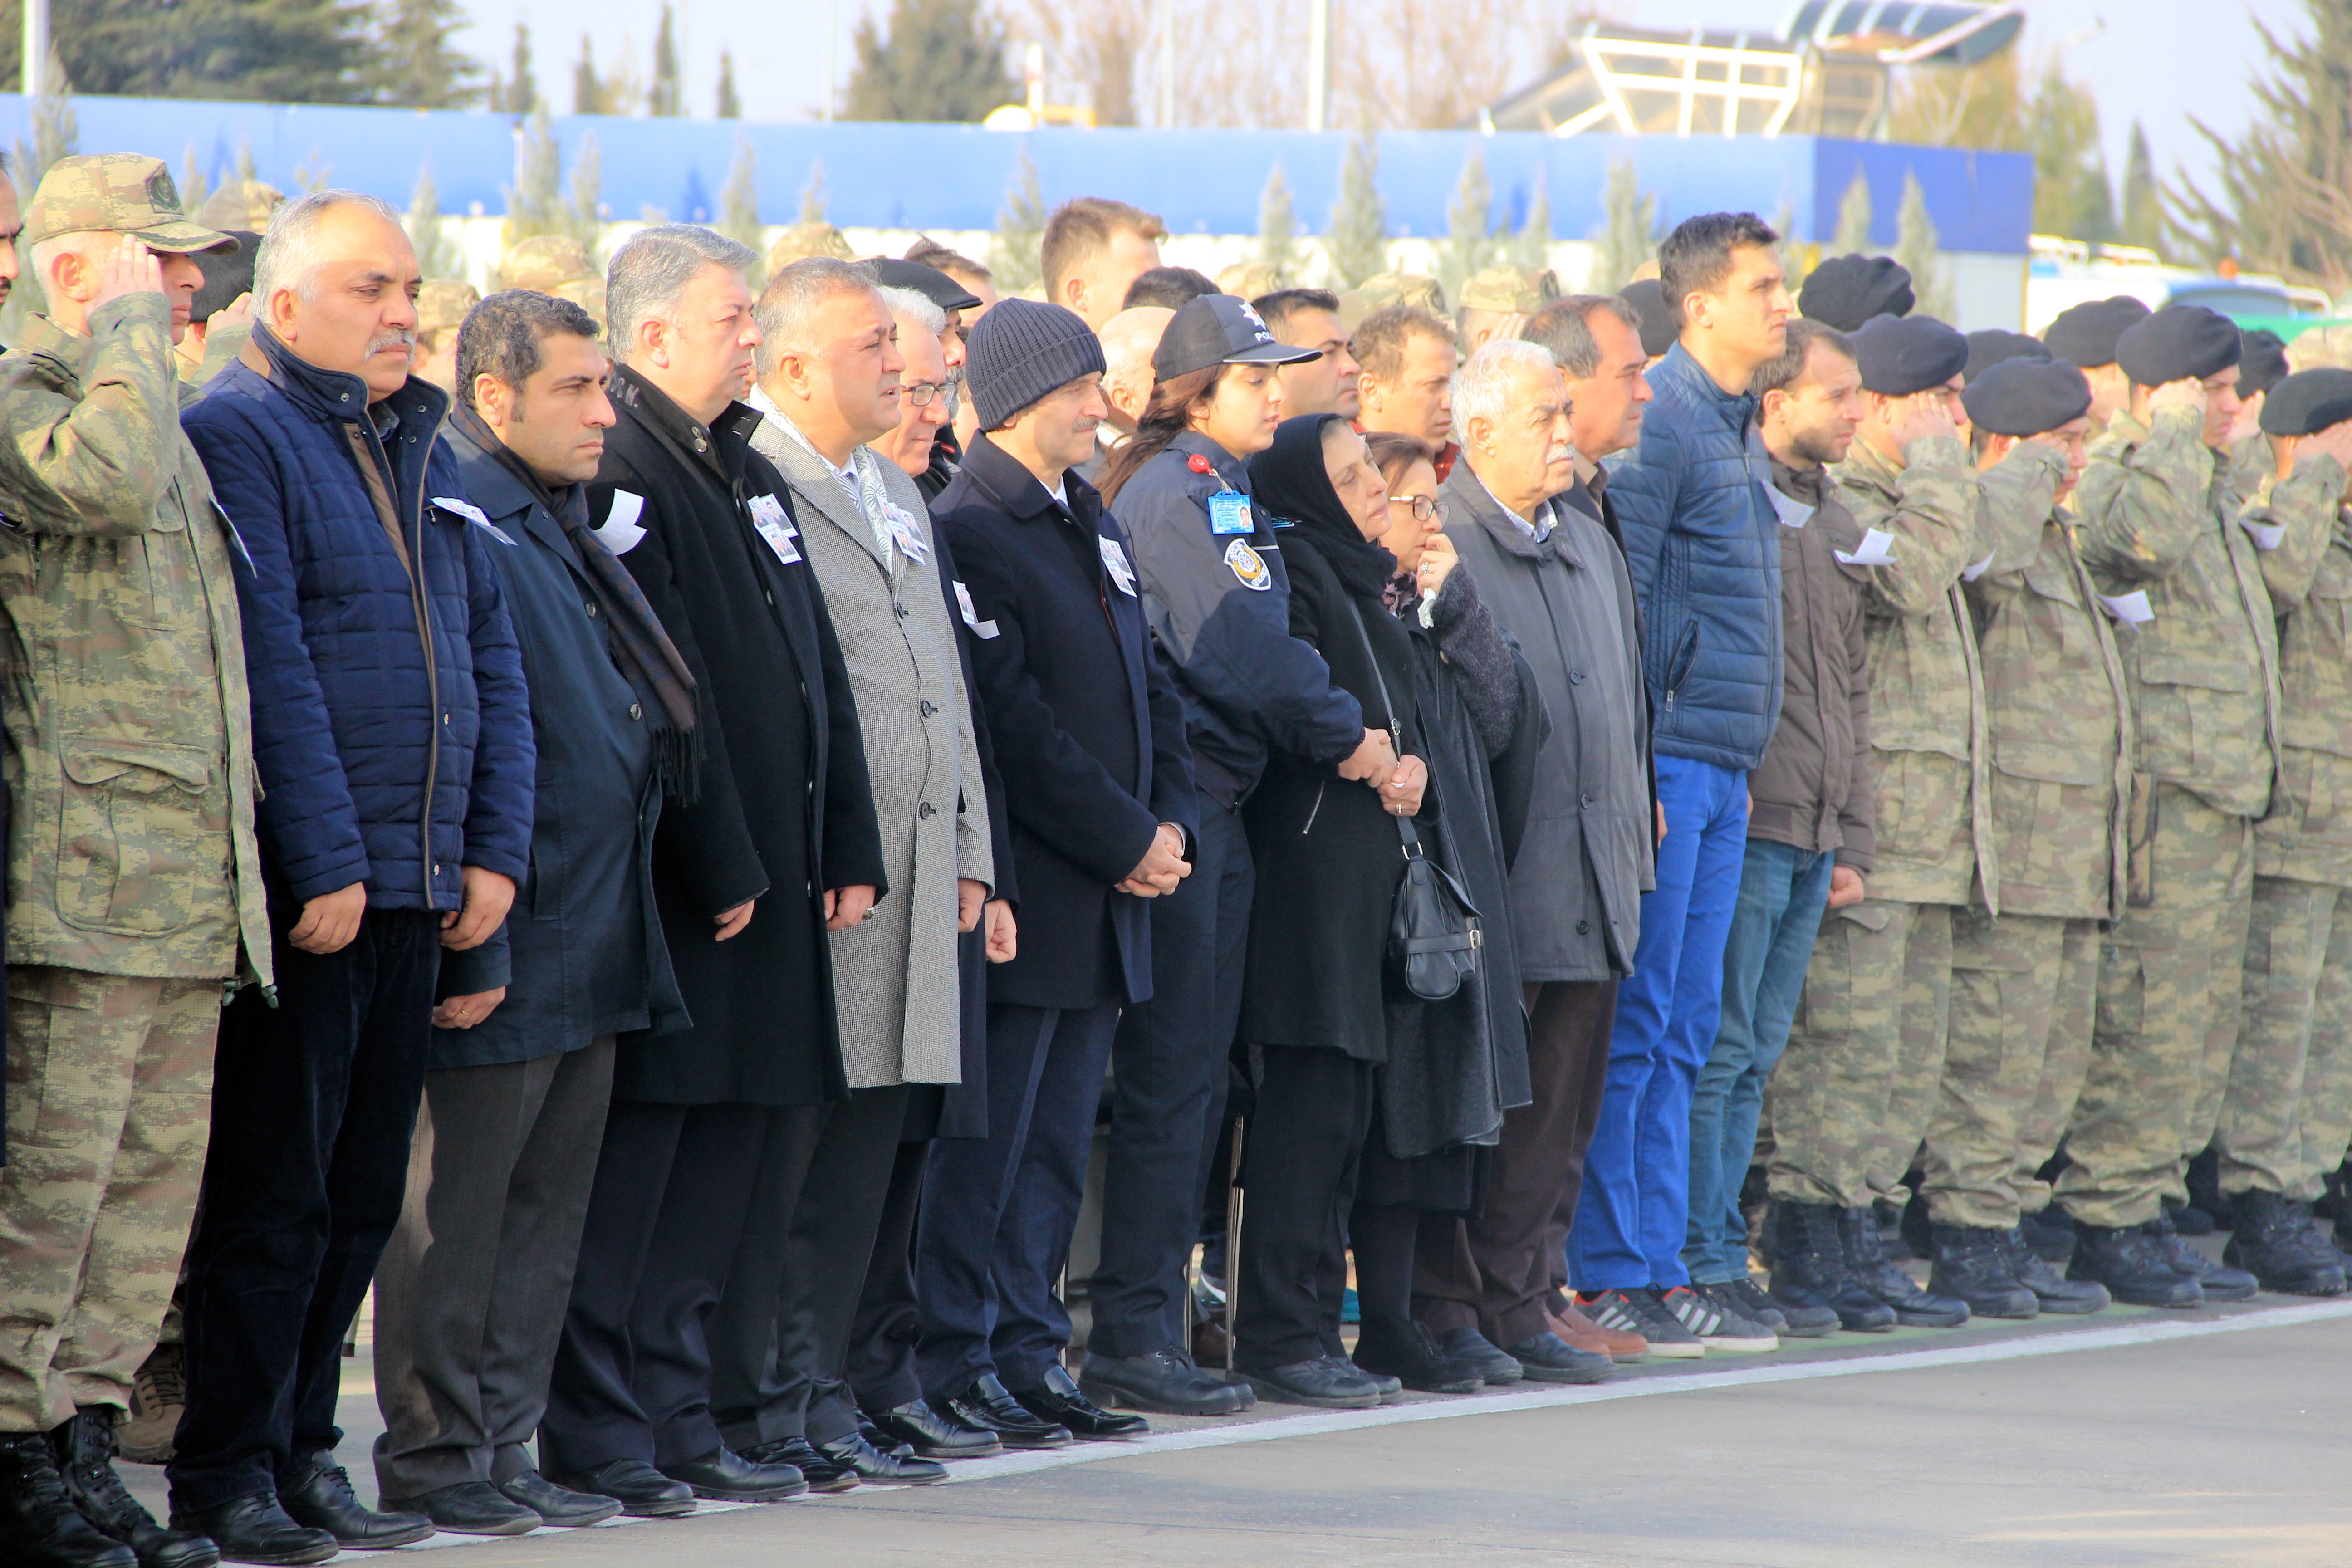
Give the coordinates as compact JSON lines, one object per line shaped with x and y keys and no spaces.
{"x":1435,"y":936}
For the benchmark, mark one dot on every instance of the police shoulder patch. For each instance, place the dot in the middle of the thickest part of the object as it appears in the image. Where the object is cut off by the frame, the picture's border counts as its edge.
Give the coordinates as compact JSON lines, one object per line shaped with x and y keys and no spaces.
{"x":1248,"y":567}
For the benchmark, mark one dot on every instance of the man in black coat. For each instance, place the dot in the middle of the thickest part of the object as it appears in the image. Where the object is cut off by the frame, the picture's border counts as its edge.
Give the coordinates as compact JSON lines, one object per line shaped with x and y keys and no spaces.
{"x":782,"y":817}
{"x":1090,"y":740}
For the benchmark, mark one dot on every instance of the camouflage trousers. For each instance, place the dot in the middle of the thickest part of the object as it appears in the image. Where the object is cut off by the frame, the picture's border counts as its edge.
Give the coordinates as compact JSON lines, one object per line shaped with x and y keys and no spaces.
{"x":1851,"y":1097}
{"x":2288,"y":1114}
{"x":2168,"y":1014}
{"x":2024,"y":988}
{"x":110,"y":1108}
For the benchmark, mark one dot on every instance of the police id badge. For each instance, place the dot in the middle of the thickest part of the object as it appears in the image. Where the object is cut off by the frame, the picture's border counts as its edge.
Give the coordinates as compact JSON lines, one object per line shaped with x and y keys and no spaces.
{"x":1249,"y":567}
{"x":1229,"y":512}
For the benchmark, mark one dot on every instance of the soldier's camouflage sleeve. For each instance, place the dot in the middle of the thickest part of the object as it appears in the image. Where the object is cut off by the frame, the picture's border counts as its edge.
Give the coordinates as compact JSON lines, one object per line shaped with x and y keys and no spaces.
{"x":97,"y":466}
{"x":2143,"y":501}
{"x":2304,"y":504}
{"x":1932,"y":515}
{"x":2019,"y":493}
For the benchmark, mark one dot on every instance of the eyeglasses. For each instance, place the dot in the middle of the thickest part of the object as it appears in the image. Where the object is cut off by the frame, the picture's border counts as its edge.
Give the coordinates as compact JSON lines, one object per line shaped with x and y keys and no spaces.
{"x":921,"y":392}
{"x":1424,"y":507}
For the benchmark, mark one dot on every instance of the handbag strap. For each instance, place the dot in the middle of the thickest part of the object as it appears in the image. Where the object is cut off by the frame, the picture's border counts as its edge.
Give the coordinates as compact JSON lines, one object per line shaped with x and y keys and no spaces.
{"x":1404,"y":824}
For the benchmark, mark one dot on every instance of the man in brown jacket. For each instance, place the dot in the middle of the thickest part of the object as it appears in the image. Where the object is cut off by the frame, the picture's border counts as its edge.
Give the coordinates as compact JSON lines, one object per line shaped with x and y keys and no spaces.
{"x":1809,"y":832}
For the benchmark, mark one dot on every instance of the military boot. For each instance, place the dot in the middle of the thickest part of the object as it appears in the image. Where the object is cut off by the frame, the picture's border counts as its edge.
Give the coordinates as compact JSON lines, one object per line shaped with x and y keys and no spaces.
{"x":1972,"y":1265}
{"x":85,"y":1450}
{"x":39,"y":1526}
{"x":2219,"y":1281}
{"x":1808,"y":1266}
{"x":2274,"y":1242}
{"x":2050,"y":1233}
{"x":2125,"y":1260}
{"x":1866,"y":1260}
{"x":2074,"y":1298}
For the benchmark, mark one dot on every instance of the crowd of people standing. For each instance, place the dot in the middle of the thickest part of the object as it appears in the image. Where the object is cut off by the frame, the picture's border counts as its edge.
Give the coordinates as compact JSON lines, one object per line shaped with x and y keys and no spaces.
{"x":1492,"y":825}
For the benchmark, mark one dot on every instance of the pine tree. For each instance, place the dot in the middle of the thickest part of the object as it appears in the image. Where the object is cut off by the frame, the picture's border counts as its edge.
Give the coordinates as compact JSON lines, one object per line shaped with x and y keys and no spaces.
{"x":1917,"y":247}
{"x":519,"y":93}
{"x":1277,"y":226}
{"x":1629,"y":228}
{"x":1014,"y":254}
{"x":287,"y":52}
{"x":1531,"y":247}
{"x":533,"y":199}
{"x":669,"y":95}
{"x":588,"y":95}
{"x":1357,"y":243}
{"x":195,"y":185}
{"x":813,"y":196}
{"x":940,"y":60}
{"x":435,"y":257}
{"x":583,"y":213}
{"x":2143,"y":213}
{"x":1854,"y":218}
{"x":739,"y":201}
{"x":57,"y":133}
{"x":1469,"y":242}
{"x":414,"y":66}
{"x":2071,"y":193}
{"x":244,"y":170}
{"x":730,"y":107}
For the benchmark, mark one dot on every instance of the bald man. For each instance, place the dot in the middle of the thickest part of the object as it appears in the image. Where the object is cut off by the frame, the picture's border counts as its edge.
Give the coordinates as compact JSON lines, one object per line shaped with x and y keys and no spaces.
{"x":1128,"y":342}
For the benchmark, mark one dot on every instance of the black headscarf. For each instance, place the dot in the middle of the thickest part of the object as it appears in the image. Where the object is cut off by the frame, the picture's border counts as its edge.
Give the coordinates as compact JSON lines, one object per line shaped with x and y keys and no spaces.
{"x":1288,"y":480}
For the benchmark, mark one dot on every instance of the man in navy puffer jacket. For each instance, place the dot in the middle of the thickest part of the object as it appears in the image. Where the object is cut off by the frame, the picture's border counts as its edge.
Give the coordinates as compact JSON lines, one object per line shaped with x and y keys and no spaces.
{"x":1694,"y":501}
{"x":394,"y":740}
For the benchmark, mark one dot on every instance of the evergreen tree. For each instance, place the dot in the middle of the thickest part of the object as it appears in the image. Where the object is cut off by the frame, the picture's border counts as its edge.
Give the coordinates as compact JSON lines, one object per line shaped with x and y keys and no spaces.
{"x":1469,"y":242}
{"x":519,"y":94}
{"x":57,"y":133}
{"x":533,"y":199}
{"x":583,"y":213}
{"x":2143,"y":213}
{"x":287,"y":52}
{"x":195,"y":186}
{"x":1014,"y":254}
{"x":244,"y":170}
{"x":739,"y":203}
{"x":435,"y":257}
{"x":1629,"y":228}
{"x":812,"y":197}
{"x":414,"y":66}
{"x":1357,"y":243}
{"x":668,"y":96}
{"x":1531,"y":247}
{"x":2282,"y":197}
{"x":1277,"y":226}
{"x":1854,"y":218}
{"x":588,"y":94}
{"x":1794,"y":263}
{"x":940,"y":60}
{"x":2071,"y":193}
{"x":1917,"y":247}
{"x":730,"y":107}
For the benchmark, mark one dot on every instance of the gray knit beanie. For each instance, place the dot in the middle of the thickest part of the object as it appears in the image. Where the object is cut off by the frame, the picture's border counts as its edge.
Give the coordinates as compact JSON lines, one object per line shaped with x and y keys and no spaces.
{"x":1022,"y":350}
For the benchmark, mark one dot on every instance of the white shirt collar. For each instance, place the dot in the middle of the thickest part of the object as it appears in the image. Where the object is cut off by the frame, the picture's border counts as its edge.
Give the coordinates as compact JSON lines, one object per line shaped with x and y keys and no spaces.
{"x":1539,"y":529}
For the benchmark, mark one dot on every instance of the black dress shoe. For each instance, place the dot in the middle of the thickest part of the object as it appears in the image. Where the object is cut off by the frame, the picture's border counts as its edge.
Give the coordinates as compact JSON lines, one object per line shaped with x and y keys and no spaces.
{"x":882,"y":1440}
{"x":1547,"y":1358}
{"x":469,"y":1508}
{"x":1413,"y":1360}
{"x":869,"y":1464}
{"x":642,"y":1491}
{"x":317,"y":1492}
{"x":39,"y":1526}
{"x":984,"y":1406}
{"x":820,"y":1473}
{"x":85,"y":1450}
{"x":560,"y":1508}
{"x":931,"y":1435}
{"x":256,"y":1529}
{"x":1057,"y":1400}
{"x":1494,"y":1366}
{"x":727,"y":1476}
{"x":1168,"y":1381}
{"x":1327,"y":1381}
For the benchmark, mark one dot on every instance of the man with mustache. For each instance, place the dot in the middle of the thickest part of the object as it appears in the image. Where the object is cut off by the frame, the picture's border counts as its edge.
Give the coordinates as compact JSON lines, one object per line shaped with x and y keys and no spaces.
{"x":393,"y":747}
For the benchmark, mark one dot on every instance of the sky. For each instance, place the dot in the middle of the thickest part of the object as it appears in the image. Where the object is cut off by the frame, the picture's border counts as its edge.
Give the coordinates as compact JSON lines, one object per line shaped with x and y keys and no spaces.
{"x":2160,"y":61}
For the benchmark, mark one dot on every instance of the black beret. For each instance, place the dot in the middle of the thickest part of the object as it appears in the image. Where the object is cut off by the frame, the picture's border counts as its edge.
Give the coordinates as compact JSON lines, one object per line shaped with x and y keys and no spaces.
{"x":1992,"y":346}
{"x":1648,"y":299}
{"x":2261,"y":361}
{"x":1847,"y":290}
{"x":2027,"y":396}
{"x":1900,"y":355}
{"x":2179,"y":342}
{"x":2085,"y":334}
{"x":227,"y":276}
{"x":2308,"y":401}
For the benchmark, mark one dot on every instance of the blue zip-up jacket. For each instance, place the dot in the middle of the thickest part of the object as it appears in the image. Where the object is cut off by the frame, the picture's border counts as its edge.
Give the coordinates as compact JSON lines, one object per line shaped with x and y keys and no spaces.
{"x":1693,"y":501}
{"x":391,"y":727}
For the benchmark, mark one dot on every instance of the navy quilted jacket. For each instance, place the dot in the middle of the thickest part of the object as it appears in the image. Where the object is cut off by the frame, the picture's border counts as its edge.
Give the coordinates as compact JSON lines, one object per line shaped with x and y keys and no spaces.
{"x":1702,"y":540}
{"x":389,"y":754}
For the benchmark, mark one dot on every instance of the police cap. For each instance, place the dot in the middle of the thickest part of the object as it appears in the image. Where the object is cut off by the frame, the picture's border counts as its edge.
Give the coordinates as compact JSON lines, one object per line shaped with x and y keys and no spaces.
{"x":1218,"y":328}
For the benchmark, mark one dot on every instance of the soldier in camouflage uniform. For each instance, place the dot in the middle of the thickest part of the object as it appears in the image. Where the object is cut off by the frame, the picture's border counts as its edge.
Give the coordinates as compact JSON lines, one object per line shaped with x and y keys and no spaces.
{"x":441,"y":307}
{"x":1853,"y":1096}
{"x":2285,"y":1111}
{"x":2058,"y":720}
{"x":134,"y":881}
{"x":2161,"y":532}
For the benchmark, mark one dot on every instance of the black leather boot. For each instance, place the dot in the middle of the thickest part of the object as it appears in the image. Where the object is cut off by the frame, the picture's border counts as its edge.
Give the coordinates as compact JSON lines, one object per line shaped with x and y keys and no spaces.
{"x":39,"y":1526}
{"x":1866,"y":1260}
{"x":2056,"y":1293}
{"x":85,"y":1450}
{"x":2126,"y":1262}
{"x":1971,"y":1265}
{"x":2277,"y":1243}
{"x":2219,"y":1281}
{"x":1808,"y":1266}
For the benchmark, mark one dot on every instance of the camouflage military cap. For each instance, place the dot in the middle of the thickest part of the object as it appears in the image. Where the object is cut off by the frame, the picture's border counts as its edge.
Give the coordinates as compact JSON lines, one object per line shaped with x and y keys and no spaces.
{"x":588,"y":293}
{"x":1401,"y":288}
{"x":115,"y":193}
{"x":1248,"y":279}
{"x":442,"y":303}
{"x":241,"y":203}
{"x":1513,"y":290}
{"x":2321,"y":348}
{"x":542,"y":261}
{"x":804,"y":241}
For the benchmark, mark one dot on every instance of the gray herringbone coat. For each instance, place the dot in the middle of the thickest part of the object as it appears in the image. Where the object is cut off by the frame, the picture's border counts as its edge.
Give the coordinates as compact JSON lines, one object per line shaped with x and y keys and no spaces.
{"x":894,"y":977}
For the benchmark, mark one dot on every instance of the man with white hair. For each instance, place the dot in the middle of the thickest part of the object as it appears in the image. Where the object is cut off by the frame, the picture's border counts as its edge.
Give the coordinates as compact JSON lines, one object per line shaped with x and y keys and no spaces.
{"x":397,"y":770}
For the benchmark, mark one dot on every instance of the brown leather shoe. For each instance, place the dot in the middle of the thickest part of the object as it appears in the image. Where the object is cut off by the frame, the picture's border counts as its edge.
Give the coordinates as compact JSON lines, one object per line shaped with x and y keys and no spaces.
{"x":1585,"y":1334}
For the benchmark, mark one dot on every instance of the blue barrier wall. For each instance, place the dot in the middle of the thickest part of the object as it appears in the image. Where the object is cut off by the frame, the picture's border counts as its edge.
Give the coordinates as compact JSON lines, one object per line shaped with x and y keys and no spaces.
{"x":884,"y":175}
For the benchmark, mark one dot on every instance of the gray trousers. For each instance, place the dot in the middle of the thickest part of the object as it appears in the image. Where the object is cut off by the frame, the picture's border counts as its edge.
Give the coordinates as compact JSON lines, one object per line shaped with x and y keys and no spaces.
{"x":470,"y":1296}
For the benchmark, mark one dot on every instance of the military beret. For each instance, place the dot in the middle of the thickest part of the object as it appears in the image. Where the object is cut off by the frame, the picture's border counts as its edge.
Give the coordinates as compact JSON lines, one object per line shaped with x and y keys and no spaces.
{"x":2085,"y":334}
{"x":1847,"y":290}
{"x":2027,"y":396}
{"x":2179,"y":342}
{"x":2308,"y":401}
{"x":1900,"y":355}
{"x":2261,"y":361}
{"x":1648,"y":299}
{"x":1992,"y":346}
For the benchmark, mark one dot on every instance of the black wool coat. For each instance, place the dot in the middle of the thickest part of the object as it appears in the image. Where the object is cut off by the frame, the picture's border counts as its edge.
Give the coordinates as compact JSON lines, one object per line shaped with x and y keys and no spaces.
{"x":784,"y":811}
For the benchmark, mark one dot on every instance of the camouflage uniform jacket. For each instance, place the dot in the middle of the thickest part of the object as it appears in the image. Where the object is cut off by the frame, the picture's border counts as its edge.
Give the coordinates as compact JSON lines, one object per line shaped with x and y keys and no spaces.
{"x":2158,"y":514}
{"x":1926,"y":694}
{"x":2057,"y":710}
{"x":2307,"y":836}
{"x":130,"y":765}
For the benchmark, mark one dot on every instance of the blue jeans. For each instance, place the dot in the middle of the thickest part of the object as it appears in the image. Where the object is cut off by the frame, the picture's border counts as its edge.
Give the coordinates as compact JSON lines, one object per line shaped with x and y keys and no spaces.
{"x":1782,"y":892}
{"x":1630,"y":1216}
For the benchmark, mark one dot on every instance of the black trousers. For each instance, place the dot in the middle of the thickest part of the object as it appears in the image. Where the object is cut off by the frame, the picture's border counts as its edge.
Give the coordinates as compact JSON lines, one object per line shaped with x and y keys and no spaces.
{"x":883,"y":1374}
{"x":780,"y":1340}
{"x":1167,"y":1095}
{"x":313,"y":1102}
{"x":470,"y":1296}
{"x":633,"y":1370}
{"x":1301,"y":1152}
